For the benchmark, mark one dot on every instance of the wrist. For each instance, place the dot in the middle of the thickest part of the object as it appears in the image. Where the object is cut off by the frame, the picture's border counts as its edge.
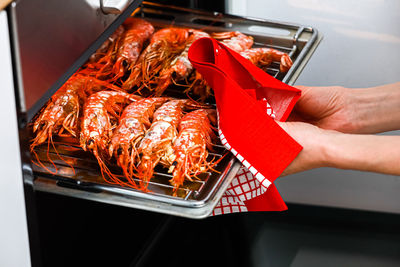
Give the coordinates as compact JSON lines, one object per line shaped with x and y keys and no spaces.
{"x":319,"y":149}
{"x":312,"y":139}
{"x":355,"y":111}
{"x":375,"y":109}
{"x":327,"y":149}
{"x":373,"y":153}
{"x":363,"y":104}
{"x":342,"y":150}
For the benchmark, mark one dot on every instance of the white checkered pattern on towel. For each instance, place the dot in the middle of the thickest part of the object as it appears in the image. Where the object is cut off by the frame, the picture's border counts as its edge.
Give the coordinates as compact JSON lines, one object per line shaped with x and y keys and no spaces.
{"x":247,"y":184}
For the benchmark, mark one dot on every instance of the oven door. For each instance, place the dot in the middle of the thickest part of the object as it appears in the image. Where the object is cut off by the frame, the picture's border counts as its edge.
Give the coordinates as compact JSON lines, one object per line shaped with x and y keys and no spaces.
{"x":52,"y":39}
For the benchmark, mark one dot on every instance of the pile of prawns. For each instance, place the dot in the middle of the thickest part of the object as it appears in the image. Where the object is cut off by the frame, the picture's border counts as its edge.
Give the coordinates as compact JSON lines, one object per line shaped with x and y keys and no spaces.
{"x":114,"y":104}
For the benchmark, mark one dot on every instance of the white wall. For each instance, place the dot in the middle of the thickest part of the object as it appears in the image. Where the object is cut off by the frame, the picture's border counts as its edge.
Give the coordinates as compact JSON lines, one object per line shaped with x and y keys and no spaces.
{"x":236,"y":7}
{"x":14,"y":243}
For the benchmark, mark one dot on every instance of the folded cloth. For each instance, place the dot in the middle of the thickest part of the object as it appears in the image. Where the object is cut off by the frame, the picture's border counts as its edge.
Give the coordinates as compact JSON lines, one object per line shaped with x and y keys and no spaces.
{"x":248,"y":100}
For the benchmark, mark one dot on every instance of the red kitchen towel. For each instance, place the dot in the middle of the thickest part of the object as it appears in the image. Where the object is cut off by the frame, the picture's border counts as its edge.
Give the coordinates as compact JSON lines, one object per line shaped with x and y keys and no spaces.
{"x":248,"y":100}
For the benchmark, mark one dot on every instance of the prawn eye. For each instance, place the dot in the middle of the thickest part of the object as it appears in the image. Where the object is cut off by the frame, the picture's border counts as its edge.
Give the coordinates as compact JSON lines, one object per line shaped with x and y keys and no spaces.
{"x":119,"y":151}
{"x":42,"y":125}
{"x":90,"y":144}
{"x":174,"y":163}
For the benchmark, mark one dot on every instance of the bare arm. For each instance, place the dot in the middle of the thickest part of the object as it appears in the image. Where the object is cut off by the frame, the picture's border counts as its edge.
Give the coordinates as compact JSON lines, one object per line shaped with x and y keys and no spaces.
{"x":373,"y":153}
{"x":328,"y":148}
{"x":377,"y":109}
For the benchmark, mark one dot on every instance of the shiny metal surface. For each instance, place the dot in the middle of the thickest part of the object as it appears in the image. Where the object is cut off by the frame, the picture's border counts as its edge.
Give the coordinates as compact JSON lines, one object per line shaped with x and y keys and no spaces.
{"x":114,"y":6}
{"x":140,"y":200}
{"x":50,"y":37}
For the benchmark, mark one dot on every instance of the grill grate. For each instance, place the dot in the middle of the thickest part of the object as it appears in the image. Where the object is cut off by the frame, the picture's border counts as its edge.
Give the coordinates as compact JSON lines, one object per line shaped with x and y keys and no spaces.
{"x":66,"y":153}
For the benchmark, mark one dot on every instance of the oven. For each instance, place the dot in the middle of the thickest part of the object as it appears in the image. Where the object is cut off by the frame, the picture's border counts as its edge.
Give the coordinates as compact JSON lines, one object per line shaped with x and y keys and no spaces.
{"x":78,"y":212}
{"x":195,"y":199}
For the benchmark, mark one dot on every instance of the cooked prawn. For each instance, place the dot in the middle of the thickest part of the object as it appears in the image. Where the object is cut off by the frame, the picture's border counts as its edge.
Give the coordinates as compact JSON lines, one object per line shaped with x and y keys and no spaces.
{"x":130,"y":44}
{"x":180,"y":68}
{"x":190,"y":147}
{"x":100,"y":116}
{"x":123,"y":53}
{"x":156,"y":146}
{"x":133,"y":123}
{"x":101,"y":52}
{"x":263,"y":57}
{"x":236,"y":41}
{"x":164,"y":45}
{"x":60,"y":115}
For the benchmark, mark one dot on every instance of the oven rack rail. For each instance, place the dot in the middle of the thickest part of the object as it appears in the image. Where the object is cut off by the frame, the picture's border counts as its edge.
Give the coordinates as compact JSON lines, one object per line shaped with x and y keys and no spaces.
{"x":72,"y":167}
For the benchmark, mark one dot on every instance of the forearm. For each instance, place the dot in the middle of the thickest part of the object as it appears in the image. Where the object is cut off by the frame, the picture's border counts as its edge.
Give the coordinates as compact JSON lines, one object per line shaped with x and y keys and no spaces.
{"x":361,"y":152}
{"x":376,"y":109}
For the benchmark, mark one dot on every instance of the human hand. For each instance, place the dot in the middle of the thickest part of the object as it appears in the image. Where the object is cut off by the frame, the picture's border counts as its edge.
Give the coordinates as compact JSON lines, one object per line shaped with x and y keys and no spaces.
{"x":311,"y":138}
{"x":327,"y":107}
{"x":362,"y":110}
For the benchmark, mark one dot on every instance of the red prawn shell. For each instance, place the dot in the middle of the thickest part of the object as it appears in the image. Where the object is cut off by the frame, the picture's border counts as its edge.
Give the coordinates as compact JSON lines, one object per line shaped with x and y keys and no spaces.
{"x":180,"y":68}
{"x":263,"y":57}
{"x":164,"y":45}
{"x":130,"y":44}
{"x":107,"y":44}
{"x":62,"y":111}
{"x":134,"y":122}
{"x":96,"y":128}
{"x":156,"y":146}
{"x":236,"y":41}
{"x":132,"y":126}
{"x":164,"y":127}
{"x":195,"y":136}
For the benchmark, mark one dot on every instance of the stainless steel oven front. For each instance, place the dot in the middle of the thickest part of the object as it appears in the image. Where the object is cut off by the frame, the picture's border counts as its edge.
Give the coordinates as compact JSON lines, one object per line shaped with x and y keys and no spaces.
{"x":50,"y":40}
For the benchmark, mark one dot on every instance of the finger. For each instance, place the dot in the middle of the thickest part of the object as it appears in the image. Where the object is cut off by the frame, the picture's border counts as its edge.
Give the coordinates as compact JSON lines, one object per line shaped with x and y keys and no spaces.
{"x":303,"y":102}
{"x":304,"y":90}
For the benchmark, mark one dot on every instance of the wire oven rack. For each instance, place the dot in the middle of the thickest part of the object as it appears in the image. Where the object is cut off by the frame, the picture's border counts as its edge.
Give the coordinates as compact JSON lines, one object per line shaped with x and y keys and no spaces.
{"x":194,"y":199}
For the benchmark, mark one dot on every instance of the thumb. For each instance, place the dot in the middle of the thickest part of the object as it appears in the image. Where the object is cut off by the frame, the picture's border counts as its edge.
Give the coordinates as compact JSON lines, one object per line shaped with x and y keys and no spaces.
{"x":303,"y":102}
{"x":295,"y":115}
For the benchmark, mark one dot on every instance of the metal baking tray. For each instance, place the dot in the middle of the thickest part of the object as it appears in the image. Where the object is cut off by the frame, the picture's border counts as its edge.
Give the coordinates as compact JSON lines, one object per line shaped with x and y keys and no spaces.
{"x":198,"y":198}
